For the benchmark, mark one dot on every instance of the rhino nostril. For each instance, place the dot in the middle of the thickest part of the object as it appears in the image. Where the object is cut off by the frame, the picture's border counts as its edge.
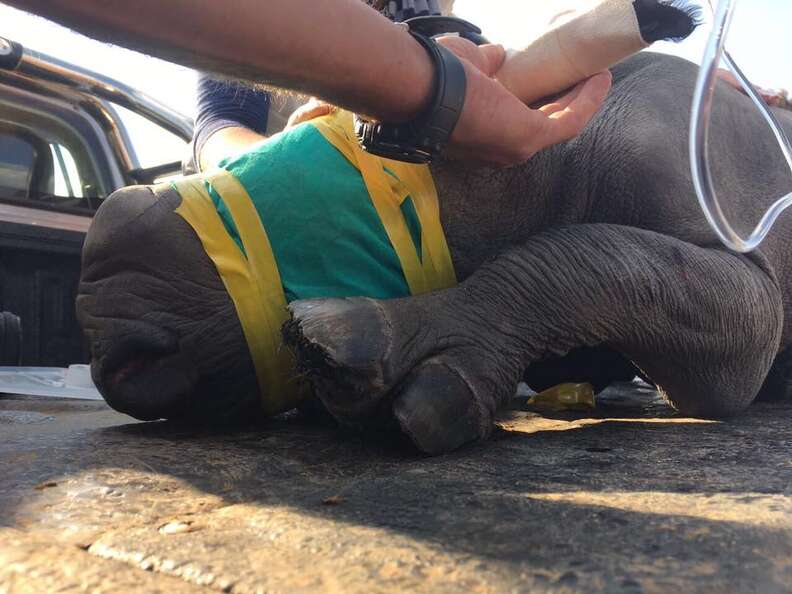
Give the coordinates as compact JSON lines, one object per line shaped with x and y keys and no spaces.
{"x":140,"y":371}
{"x":136,"y":364}
{"x":123,"y":341}
{"x":149,"y":388}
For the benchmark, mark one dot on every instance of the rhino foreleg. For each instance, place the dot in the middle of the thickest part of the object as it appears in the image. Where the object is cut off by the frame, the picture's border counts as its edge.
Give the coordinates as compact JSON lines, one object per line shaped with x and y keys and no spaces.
{"x":703,"y":324}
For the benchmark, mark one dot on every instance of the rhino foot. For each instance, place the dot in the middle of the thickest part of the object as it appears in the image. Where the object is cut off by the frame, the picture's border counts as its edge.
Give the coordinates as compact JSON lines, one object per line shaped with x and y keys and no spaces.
{"x":378,"y":361}
{"x":342,"y":347}
{"x":439,"y":409}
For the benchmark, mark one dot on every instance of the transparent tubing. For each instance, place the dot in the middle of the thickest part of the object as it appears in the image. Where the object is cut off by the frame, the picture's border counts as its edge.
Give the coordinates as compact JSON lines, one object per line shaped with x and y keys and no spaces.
{"x":699,"y":138}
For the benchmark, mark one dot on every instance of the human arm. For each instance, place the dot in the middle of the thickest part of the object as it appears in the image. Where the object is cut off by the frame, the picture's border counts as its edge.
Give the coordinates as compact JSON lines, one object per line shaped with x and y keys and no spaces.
{"x":375,"y":67}
{"x":771,"y":97}
{"x":214,"y":141}
{"x":231,"y":116}
{"x":583,"y":42}
{"x":343,"y":60}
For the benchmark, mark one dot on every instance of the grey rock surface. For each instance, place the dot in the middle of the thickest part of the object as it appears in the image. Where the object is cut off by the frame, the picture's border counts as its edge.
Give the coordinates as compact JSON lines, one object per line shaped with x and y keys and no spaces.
{"x":629,"y":498}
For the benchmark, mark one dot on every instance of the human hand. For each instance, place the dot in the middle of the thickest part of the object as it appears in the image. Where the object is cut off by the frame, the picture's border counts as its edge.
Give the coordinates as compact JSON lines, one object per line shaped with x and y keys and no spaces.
{"x":771,"y":97}
{"x":496,"y":128}
{"x":315,"y":108}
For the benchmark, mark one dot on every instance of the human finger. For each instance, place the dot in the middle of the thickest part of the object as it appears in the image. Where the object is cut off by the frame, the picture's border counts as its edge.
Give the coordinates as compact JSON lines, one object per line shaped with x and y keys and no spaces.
{"x":495,"y":55}
{"x":311,"y":110}
{"x":487,"y":58}
{"x":569,"y":122}
{"x":562,"y":102}
{"x":497,"y":129}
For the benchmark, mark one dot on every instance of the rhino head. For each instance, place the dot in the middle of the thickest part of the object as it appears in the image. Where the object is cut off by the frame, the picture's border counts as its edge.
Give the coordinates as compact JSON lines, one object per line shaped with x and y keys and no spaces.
{"x":164,"y":335}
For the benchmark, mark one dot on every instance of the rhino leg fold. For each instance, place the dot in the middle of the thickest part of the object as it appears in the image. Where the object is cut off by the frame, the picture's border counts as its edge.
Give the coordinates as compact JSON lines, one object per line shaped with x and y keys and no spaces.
{"x":703,"y":324}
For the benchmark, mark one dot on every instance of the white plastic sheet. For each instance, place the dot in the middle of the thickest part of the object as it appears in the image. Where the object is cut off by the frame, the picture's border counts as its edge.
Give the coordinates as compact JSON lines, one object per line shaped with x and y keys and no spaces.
{"x":57,"y":382}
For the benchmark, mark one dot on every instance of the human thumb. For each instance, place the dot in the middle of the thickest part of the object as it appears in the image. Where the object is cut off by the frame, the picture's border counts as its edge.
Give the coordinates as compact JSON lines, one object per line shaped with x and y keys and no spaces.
{"x":494,"y":56}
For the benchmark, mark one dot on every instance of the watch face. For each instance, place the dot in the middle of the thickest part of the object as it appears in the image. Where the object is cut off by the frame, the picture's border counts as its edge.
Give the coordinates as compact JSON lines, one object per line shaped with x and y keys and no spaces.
{"x":397,"y":153}
{"x":375,"y":139}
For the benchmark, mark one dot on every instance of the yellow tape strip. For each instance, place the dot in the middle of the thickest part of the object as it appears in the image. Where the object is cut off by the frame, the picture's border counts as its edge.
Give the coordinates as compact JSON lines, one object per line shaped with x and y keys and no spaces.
{"x":253,"y":283}
{"x":438,"y":266}
{"x":437,"y":270}
{"x":389,"y":209}
{"x":252,"y":279}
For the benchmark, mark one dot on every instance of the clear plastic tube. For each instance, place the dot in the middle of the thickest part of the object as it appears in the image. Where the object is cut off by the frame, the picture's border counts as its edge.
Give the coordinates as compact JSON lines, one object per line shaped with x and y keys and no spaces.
{"x":699,"y":138}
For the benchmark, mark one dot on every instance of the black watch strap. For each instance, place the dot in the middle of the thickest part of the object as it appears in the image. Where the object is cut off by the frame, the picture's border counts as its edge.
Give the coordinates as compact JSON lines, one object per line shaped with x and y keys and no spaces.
{"x":424,"y":138}
{"x":442,"y":25}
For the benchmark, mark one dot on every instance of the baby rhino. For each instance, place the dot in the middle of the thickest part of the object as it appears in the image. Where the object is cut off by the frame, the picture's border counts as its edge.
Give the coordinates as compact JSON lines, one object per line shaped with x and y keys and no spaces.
{"x":591,"y":262}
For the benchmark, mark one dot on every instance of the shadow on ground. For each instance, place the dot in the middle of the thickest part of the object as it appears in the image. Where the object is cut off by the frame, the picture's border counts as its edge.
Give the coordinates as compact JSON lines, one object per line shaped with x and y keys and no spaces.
{"x":630,"y":499}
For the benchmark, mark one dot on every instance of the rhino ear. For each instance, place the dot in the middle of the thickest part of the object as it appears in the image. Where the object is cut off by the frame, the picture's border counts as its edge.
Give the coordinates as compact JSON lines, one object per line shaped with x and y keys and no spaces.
{"x":666,"y":21}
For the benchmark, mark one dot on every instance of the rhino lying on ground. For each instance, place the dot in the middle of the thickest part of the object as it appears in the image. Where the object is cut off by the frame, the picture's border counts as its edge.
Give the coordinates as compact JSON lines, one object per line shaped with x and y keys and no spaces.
{"x":590,"y":262}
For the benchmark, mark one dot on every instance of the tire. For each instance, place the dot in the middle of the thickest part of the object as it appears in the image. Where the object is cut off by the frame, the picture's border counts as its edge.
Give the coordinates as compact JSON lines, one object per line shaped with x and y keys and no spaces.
{"x":10,"y":339}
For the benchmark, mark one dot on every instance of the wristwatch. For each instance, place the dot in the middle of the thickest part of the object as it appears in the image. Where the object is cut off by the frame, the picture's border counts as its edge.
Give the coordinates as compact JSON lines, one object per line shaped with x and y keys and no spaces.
{"x":424,"y":138}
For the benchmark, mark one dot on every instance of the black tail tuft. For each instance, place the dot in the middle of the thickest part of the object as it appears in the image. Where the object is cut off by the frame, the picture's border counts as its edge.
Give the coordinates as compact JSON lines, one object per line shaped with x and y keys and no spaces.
{"x":669,"y":21}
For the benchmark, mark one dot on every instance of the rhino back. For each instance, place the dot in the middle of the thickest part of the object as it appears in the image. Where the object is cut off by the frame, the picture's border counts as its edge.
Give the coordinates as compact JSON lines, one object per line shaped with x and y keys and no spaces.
{"x":645,"y":180}
{"x":629,"y":167}
{"x":641,"y":170}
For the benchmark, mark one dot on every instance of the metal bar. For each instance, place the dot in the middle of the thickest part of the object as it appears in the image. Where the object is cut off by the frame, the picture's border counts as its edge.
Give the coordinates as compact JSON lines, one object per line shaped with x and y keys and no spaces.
{"x":62,"y":164}
{"x":51,"y":69}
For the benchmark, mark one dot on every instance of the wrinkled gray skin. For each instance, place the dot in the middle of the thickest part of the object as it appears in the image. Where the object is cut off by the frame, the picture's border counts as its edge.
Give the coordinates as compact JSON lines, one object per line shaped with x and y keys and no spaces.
{"x":590,"y":258}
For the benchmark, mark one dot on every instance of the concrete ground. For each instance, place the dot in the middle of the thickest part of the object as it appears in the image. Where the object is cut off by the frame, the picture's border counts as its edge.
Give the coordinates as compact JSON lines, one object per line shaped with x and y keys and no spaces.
{"x":630,"y":499}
